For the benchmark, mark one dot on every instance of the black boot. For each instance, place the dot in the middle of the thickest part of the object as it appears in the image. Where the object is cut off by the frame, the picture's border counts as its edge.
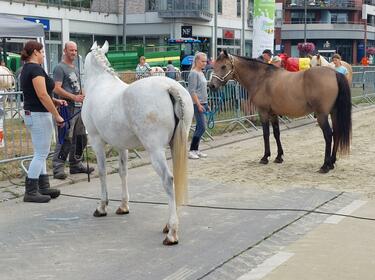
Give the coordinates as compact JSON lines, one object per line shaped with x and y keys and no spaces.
{"x":45,"y":188}
{"x":80,"y":168}
{"x":32,"y":194}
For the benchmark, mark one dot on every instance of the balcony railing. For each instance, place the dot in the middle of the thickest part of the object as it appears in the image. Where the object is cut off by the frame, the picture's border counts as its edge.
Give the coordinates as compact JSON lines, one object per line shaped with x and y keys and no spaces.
{"x":301,"y":21}
{"x":108,"y":6}
{"x":354,"y":25}
{"x":197,"y":9}
{"x":323,"y":4}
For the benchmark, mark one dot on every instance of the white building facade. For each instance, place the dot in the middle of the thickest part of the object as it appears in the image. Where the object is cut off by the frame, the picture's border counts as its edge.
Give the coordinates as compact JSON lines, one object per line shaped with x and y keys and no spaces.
{"x":147,"y":22}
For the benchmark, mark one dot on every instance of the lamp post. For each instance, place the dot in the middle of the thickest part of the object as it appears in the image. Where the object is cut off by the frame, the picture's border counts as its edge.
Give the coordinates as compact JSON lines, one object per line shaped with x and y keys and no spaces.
{"x":365,"y":39}
{"x":305,"y":22}
{"x":214,"y":43}
{"x":124,"y":27}
{"x":243,"y":29}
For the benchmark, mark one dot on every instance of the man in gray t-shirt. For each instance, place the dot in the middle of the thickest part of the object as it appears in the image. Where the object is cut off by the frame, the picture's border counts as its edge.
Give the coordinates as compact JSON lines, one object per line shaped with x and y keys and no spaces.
{"x":68,"y":87}
{"x":68,"y":76}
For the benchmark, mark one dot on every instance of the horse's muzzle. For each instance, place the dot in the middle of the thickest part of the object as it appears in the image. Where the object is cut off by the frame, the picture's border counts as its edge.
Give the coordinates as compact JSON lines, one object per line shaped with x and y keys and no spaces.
{"x":212,"y":86}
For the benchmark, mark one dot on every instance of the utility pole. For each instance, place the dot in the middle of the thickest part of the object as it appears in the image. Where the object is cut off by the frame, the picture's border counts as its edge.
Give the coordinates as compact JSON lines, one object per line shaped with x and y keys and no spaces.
{"x":365,"y":39}
{"x":243,"y":29}
{"x":214,"y":39}
{"x":305,"y":22}
{"x":124,"y":26}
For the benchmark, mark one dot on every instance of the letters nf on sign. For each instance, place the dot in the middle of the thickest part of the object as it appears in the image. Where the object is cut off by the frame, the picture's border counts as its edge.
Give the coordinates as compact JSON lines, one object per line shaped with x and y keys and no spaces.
{"x":186,"y":31}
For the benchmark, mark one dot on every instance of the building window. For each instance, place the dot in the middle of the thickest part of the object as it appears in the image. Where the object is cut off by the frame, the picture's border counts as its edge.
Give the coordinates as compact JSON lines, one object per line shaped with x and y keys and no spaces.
{"x":219,"y":7}
{"x":238,"y":8}
{"x":299,"y":17}
{"x":150,"y":5}
{"x":100,"y":39}
{"x":84,"y":42}
{"x":339,"y":18}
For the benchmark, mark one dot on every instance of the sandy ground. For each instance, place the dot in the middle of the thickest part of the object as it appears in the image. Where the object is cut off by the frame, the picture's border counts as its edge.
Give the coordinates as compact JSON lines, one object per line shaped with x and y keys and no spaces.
{"x":303,"y":155}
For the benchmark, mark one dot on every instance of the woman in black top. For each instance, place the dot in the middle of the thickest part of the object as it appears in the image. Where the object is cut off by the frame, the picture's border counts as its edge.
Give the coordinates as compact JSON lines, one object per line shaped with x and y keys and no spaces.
{"x":39,"y":107}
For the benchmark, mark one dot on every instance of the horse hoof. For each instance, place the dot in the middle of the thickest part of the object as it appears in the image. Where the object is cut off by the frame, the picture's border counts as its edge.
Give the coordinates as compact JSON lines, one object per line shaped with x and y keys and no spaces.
{"x":166,"y":229}
{"x":324,"y":170}
{"x":278,"y":160}
{"x":120,"y":211}
{"x":167,"y":242}
{"x":99,"y":214}
{"x":263,"y":161}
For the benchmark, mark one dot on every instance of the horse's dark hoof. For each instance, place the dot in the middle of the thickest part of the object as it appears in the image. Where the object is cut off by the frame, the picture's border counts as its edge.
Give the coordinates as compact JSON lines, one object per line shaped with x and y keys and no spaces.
{"x":120,"y":211}
{"x":324,"y":169}
{"x":166,"y":229}
{"x":263,"y":161}
{"x":278,"y":160}
{"x":167,"y":242}
{"x":99,"y":214}
{"x":331,"y":166}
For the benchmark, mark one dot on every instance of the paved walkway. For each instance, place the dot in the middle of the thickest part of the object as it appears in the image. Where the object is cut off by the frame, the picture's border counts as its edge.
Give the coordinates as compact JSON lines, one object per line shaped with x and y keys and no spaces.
{"x":227,"y":232}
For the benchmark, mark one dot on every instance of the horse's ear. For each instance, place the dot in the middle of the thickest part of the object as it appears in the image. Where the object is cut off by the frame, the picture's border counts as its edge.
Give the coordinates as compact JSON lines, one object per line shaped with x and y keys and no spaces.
{"x":225,"y":53}
{"x":105,"y":47}
{"x":94,"y":46}
{"x":318,"y":55}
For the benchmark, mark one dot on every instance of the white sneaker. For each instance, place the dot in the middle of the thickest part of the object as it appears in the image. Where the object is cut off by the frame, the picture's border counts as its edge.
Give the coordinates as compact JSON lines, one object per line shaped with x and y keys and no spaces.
{"x":200,"y":154}
{"x":193,"y":155}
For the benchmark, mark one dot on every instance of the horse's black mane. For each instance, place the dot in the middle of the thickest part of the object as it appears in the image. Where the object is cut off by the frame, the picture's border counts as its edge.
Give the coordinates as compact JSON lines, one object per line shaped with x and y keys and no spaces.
{"x":253,"y":62}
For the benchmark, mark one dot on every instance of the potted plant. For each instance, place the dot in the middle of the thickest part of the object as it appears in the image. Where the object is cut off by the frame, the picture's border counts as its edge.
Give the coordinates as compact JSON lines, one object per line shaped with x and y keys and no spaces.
{"x":305,"y":48}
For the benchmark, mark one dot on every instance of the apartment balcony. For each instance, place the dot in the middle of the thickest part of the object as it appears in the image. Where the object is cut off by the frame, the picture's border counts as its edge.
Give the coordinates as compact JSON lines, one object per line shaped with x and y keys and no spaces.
{"x":108,"y":6}
{"x":191,"y":9}
{"x":323,"y":4}
{"x":349,"y":30}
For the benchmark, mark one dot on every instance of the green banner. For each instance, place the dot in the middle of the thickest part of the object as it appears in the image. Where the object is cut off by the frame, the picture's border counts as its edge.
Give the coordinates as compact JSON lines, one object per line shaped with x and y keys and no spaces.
{"x":263,"y":26}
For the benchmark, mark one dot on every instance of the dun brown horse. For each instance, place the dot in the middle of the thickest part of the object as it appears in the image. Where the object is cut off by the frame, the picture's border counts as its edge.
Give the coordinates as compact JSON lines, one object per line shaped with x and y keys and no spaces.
{"x":276,"y":91}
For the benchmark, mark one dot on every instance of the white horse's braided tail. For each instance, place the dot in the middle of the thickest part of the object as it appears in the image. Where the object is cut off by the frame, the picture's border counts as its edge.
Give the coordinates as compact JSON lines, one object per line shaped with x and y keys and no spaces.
{"x":179,"y":148}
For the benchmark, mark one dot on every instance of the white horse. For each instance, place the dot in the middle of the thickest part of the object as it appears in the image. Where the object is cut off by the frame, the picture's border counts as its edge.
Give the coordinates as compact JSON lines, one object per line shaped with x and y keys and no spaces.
{"x":7,"y":80}
{"x":157,"y":71}
{"x":319,"y":60}
{"x":152,"y":112}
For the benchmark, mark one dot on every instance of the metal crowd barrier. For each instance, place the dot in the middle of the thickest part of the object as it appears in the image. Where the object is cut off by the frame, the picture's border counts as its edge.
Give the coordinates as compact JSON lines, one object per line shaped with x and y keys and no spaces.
{"x":16,"y":142}
{"x":230,"y":106}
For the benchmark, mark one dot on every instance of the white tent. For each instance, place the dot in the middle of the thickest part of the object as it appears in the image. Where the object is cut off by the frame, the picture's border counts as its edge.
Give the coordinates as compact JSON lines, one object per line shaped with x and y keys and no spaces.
{"x":13,"y":27}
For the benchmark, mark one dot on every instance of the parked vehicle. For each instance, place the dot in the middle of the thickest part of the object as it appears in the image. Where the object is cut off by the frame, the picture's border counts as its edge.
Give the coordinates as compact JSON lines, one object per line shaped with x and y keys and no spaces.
{"x":179,"y":51}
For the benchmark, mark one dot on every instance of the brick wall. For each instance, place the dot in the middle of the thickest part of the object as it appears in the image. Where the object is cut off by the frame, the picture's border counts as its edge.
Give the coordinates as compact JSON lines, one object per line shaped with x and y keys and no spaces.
{"x":133,"y":6}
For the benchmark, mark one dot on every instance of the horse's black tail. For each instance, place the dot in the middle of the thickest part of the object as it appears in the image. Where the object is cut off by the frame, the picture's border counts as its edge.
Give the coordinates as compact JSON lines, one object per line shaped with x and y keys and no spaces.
{"x":343,"y":106}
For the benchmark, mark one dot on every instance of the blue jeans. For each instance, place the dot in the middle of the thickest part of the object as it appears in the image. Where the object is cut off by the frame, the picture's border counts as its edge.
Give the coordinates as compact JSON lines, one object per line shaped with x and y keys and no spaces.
{"x":40,"y":126}
{"x":200,"y":127}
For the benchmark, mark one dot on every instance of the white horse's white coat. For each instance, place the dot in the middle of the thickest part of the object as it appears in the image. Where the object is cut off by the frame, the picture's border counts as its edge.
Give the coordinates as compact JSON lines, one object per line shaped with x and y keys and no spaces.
{"x":140,"y":114}
{"x":7,"y":80}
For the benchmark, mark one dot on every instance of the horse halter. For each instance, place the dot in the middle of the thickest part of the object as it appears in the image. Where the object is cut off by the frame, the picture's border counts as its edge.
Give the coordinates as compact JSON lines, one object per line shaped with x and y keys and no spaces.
{"x":318,"y":62}
{"x":222,"y":79}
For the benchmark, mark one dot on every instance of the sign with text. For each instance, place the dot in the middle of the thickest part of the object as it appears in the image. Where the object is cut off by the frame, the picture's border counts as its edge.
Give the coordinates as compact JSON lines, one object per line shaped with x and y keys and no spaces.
{"x":43,"y":21}
{"x":186,"y":31}
{"x":228,"y":33}
{"x":264,"y":26}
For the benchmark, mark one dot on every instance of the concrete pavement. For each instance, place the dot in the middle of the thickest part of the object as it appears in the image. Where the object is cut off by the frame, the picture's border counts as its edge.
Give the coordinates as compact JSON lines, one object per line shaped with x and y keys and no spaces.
{"x":227,"y":232}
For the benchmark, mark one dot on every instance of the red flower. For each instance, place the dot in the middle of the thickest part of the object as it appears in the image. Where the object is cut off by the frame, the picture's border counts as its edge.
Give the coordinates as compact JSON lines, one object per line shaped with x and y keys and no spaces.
{"x":306,"y":48}
{"x":371,"y":50}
